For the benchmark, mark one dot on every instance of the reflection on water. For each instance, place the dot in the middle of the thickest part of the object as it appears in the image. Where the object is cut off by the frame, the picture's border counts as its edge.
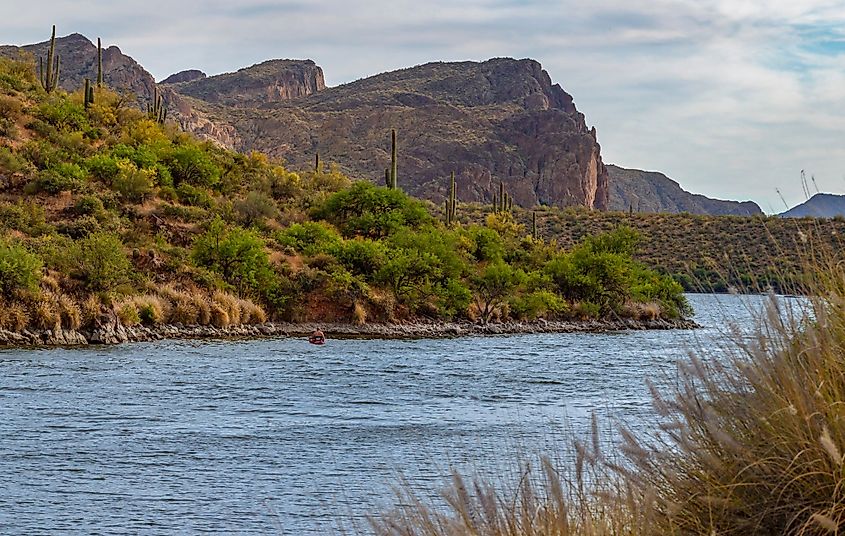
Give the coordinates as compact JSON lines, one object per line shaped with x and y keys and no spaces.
{"x":258,"y":436}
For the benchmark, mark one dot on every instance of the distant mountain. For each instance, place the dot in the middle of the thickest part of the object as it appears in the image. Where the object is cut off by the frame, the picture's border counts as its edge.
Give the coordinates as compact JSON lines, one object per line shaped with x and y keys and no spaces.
{"x":184,"y":76}
{"x":650,"y":191}
{"x":818,"y":206}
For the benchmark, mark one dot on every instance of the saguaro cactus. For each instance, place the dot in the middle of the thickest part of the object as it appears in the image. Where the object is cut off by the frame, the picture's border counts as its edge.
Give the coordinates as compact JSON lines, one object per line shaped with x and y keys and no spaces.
{"x":501,"y":196}
{"x":452,"y":201}
{"x":49,"y":74}
{"x":317,"y":163}
{"x":87,"y":94}
{"x":534,"y":225}
{"x":99,"y":62}
{"x":157,"y":111}
{"x":393,"y":160}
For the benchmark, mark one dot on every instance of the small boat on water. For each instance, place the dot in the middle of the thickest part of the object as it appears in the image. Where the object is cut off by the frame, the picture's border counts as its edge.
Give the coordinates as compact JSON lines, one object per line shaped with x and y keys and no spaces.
{"x":317,"y":338}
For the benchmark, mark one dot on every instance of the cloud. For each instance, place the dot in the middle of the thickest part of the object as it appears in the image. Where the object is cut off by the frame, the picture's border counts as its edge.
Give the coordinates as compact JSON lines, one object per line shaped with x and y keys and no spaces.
{"x":730,"y":97}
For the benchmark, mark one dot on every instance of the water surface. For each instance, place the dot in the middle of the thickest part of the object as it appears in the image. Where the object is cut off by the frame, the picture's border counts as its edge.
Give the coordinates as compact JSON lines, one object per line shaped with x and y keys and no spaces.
{"x":279,"y":436}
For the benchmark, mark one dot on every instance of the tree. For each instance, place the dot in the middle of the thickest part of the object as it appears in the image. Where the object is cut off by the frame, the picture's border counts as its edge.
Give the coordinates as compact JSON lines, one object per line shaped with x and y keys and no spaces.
{"x":99,"y":261}
{"x":492,"y":286}
{"x":372,"y":211}
{"x":235,"y":253}
{"x":19,"y":269}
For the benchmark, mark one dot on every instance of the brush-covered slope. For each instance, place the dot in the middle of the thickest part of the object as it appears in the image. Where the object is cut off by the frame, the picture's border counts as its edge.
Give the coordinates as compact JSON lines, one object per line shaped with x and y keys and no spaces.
{"x":650,"y":191}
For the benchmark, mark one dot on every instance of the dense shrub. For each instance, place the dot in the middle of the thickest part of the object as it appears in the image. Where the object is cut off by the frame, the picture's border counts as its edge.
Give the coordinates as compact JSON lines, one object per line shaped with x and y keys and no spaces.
{"x":19,"y":269}
{"x":309,"y":237}
{"x":235,"y":253}
{"x":99,"y":262}
{"x":192,"y":163}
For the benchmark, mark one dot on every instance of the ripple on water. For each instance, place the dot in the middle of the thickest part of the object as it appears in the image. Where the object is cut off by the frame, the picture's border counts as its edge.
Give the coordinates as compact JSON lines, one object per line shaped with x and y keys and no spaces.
{"x":250,"y":436}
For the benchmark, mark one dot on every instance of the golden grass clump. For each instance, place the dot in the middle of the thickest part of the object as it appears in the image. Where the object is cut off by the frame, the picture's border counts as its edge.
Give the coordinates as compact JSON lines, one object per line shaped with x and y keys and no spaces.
{"x":750,"y":441}
{"x":250,"y":313}
{"x":70,"y":315}
{"x":45,"y":314}
{"x":90,"y":310}
{"x":230,"y":304}
{"x":203,"y":308}
{"x":219,"y":316}
{"x":359,"y":314}
{"x":127,"y":312}
{"x":151,"y":309}
{"x":17,"y":317}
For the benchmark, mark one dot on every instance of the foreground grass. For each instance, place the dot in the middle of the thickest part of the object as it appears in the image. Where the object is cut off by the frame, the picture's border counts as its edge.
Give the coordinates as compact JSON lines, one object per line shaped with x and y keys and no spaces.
{"x":750,"y":442}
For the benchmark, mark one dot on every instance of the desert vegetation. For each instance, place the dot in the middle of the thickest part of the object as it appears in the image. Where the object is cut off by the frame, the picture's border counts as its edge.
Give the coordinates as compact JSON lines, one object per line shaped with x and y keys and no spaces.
{"x":105,"y":206}
{"x":748,"y":441}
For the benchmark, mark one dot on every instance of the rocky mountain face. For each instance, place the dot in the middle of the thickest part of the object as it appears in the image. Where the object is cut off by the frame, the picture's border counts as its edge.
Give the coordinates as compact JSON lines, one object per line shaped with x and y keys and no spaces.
{"x":649,"y":191}
{"x":184,"y":76}
{"x":251,"y":87}
{"x":819,"y":206}
{"x":79,"y":61}
{"x":502,"y":120}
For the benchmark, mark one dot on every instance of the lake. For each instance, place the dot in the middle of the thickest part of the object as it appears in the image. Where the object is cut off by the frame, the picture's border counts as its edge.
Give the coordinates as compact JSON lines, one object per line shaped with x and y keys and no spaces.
{"x":279,"y":436}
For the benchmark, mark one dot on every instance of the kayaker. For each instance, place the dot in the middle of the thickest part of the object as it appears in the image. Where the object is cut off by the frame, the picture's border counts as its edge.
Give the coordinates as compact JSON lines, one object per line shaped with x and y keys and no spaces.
{"x":317,"y":337}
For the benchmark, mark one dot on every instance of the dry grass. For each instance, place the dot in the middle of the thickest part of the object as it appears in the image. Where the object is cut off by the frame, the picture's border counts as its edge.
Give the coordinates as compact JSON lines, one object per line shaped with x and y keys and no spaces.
{"x":751,"y":442}
{"x":229,"y":304}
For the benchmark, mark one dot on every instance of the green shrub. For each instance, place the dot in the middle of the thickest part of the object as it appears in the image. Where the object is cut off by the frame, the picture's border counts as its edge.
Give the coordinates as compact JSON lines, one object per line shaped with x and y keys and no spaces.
{"x":133,"y":184}
{"x":372,"y":211}
{"x":361,"y":256}
{"x":19,"y":269}
{"x":255,"y":208}
{"x":236,"y":254}
{"x":99,"y":262}
{"x":89,"y":205}
{"x":194,"y":165}
{"x":538,"y":304}
{"x":63,"y":113}
{"x":309,"y":238}
{"x":103,"y":167}
{"x":11,"y":162}
{"x":59,"y":178}
{"x":193,"y":196}
{"x":27,"y":217}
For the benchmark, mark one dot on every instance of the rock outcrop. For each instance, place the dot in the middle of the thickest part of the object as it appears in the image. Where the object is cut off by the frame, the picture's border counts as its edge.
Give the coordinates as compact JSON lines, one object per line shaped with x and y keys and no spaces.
{"x":650,"y":191}
{"x":184,"y":76}
{"x":251,"y":87}
{"x":79,"y":61}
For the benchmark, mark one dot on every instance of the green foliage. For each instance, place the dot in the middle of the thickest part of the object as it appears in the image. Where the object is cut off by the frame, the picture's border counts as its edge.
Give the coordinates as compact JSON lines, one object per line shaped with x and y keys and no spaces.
{"x":19,"y":268}
{"x":103,"y":167}
{"x":255,"y":208}
{"x":192,"y":163}
{"x":372,"y":211}
{"x":492,"y":286}
{"x":99,"y":262}
{"x":538,"y":304}
{"x":63,"y":114}
{"x":89,"y":205}
{"x":487,"y":244}
{"x":193,"y":196}
{"x":27,"y":217}
{"x":62,"y":177}
{"x":235,"y":253}
{"x":361,"y":256}
{"x":133,"y":184}
{"x":310,"y":237}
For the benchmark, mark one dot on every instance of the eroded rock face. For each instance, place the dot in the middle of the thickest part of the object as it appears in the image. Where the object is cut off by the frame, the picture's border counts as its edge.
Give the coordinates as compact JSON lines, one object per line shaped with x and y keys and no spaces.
{"x":500,"y":120}
{"x":184,"y":76}
{"x":79,"y":61}
{"x":268,"y":82}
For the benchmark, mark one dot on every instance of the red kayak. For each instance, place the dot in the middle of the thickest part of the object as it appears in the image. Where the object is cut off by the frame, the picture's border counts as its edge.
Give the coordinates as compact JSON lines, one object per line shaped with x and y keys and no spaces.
{"x":317,"y":340}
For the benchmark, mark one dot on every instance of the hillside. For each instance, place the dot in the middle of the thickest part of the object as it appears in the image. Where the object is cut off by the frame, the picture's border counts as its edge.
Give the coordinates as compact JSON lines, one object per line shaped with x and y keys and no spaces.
{"x":649,"y":191}
{"x":109,"y":217}
{"x":819,"y":206}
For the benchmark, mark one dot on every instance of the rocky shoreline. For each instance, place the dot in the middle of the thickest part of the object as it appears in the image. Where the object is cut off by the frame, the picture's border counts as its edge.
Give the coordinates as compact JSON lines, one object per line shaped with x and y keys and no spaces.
{"x":115,"y":333}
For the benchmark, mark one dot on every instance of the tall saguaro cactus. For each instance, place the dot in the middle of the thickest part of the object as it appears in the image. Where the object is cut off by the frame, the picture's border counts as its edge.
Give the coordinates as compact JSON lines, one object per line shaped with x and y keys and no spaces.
{"x":317,"y":163}
{"x":49,"y":74}
{"x":452,"y":201}
{"x":534,"y":225}
{"x":87,"y":94}
{"x":99,"y":62}
{"x":157,"y":111}
{"x":393,"y":182}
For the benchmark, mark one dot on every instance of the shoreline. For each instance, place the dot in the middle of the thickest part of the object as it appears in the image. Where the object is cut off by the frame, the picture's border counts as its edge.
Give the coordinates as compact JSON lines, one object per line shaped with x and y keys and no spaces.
{"x":115,"y":333}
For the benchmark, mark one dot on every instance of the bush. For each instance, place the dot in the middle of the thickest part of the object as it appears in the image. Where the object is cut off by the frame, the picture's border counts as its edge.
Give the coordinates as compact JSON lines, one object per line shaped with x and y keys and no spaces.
{"x":236,"y":254}
{"x":103,"y":167}
{"x":371,"y":211}
{"x":89,"y":205}
{"x":127,"y":312}
{"x":309,"y":238}
{"x":538,"y":304}
{"x":193,"y":196}
{"x":193,"y":164}
{"x":255,"y":208}
{"x":361,"y":256}
{"x":59,"y":178}
{"x":133,"y":184}
{"x":99,"y":262}
{"x":20,"y":270}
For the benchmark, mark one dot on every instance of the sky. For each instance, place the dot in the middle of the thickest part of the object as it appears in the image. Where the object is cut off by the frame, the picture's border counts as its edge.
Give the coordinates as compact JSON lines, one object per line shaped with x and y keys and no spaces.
{"x":731,"y":98}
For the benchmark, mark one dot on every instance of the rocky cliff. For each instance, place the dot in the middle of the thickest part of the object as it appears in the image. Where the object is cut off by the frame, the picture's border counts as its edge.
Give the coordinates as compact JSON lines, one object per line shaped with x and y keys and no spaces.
{"x":649,"y":191}
{"x":79,"y":61}
{"x":251,"y":87}
{"x":499,"y":120}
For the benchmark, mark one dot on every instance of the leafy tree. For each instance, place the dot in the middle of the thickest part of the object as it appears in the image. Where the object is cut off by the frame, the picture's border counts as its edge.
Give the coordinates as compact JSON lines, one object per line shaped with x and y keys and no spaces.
{"x":409,"y":273}
{"x":255,"y":208}
{"x":372,"y":211}
{"x":192,"y":164}
{"x":310,"y":237}
{"x":361,"y":256}
{"x":99,"y":261}
{"x":487,"y":244}
{"x":133,"y":184}
{"x":492,"y":286}
{"x":235,"y":253}
{"x":19,"y":269}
